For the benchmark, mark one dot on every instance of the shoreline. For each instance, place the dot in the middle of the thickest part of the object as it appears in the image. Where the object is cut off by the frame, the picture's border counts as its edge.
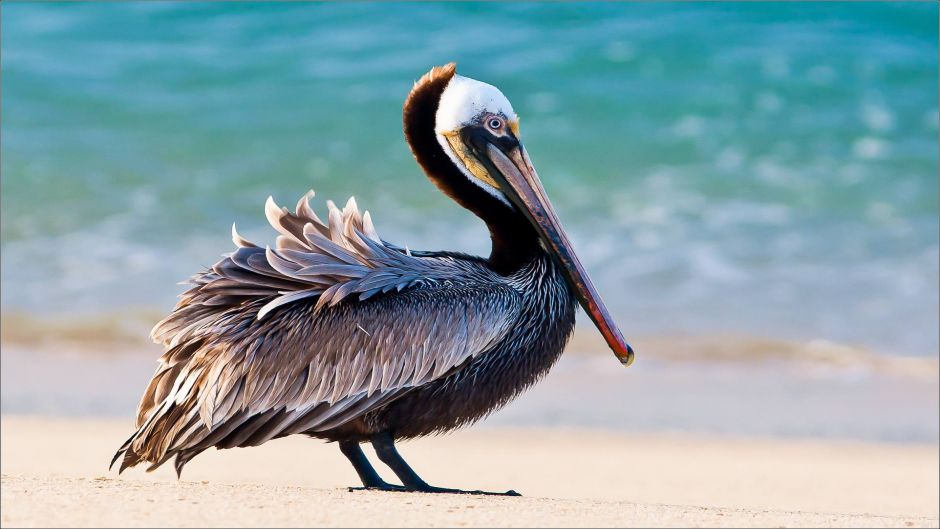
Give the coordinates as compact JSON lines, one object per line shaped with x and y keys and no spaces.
{"x":584,"y":390}
{"x":567,"y":477}
{"x":127,"y":332}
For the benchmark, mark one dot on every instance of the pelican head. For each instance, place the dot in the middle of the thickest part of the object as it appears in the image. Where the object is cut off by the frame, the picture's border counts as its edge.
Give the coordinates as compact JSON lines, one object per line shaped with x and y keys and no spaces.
{"x":477,"y":129}
{"x":471,"y":116}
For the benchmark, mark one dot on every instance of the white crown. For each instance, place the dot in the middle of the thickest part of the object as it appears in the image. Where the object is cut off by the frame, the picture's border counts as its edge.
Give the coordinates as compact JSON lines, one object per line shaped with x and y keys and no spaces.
{"x":464,"y":99}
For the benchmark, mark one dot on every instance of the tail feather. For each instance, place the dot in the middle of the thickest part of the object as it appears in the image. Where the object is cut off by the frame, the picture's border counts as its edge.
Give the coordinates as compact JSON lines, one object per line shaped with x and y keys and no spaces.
{"x":184,"y":457}
{"x":130,"y":459}
{"x":157,"y":464}
{"x":121,"y":450}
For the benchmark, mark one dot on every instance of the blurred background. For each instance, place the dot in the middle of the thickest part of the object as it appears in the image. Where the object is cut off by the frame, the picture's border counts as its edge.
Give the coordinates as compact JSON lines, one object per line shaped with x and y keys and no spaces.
{"x":753,"y":187}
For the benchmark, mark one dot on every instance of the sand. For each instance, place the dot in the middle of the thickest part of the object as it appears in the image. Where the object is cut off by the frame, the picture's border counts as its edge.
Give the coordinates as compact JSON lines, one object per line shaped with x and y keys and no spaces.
{"x":55,"y":473}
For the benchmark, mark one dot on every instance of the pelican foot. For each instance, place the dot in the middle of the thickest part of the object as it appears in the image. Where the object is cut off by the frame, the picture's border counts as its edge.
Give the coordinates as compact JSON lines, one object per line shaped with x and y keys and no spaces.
{"x":440,"y":490}
{"x":383,"y":487}
{"x":387,"y":487}
{"x":384,"y":445}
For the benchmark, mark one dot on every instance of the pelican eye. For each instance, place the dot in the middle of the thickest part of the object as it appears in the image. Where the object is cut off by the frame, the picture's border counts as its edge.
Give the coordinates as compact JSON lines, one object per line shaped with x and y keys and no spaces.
{"x":495,"y":123}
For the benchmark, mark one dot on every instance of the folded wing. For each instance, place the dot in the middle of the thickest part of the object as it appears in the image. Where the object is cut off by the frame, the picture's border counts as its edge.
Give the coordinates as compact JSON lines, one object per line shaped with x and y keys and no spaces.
{"x":329,"y":325}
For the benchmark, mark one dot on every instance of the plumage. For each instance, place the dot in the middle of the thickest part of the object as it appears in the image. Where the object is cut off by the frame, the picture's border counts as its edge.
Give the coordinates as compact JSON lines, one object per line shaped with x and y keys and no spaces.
{"x":335,"y":333}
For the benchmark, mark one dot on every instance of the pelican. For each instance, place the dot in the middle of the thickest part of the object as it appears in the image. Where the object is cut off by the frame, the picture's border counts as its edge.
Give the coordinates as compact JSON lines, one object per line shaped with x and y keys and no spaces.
{"x":337,"y":334}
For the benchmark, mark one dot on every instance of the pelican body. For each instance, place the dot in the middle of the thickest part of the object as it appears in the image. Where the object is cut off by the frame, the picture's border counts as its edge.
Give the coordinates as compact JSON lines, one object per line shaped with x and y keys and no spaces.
{"x":336,"y":334}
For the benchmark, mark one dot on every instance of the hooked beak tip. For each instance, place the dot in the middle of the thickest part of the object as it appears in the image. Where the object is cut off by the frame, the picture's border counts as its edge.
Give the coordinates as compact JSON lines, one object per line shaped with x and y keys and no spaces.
{"x":627,"y":360}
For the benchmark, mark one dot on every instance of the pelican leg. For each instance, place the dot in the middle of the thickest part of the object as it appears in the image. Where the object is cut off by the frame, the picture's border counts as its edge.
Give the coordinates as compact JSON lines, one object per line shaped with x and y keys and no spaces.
{"x":384,"y":446}
{"x":370,"y":478}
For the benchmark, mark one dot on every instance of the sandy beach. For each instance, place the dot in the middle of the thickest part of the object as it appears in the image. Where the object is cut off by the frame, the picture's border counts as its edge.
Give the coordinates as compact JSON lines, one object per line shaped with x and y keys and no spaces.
{"x":54,"y":473}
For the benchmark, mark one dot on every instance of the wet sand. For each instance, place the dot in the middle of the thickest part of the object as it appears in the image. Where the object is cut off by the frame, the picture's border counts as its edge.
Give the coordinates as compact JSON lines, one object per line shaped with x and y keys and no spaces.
{"x":54,"y":473}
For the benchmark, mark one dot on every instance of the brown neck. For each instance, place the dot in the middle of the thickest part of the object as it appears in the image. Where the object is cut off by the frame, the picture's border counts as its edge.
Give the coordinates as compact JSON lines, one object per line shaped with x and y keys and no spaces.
{"x":514,"y":240}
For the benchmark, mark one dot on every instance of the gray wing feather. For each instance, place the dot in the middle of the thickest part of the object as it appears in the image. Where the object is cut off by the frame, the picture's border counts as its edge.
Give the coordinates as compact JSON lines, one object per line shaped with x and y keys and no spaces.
{"x":330,"y":261}
{"x":247,"y":361}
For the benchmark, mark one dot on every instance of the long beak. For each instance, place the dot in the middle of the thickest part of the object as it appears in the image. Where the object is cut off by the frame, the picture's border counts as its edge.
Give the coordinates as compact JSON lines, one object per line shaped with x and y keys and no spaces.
{"x":521,"y":177}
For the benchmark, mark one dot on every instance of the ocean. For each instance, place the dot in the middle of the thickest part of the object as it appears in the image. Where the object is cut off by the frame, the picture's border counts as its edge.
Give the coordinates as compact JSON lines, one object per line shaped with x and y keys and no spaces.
{"x":767,"y":171}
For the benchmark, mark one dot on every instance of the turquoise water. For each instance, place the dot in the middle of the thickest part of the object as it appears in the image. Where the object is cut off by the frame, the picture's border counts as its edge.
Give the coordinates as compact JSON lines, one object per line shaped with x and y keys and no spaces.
{"x":763,"y":169}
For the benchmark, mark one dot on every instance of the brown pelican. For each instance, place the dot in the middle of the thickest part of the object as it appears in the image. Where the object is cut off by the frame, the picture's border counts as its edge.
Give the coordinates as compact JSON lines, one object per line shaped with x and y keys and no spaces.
{"x":337,"y":334}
